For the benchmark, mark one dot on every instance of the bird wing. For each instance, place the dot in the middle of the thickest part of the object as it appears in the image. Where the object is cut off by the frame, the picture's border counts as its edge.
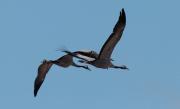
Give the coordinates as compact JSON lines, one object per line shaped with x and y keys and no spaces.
{"x":74,"y":54}
{"x":108,"y":47}
{"x":42,"y":71}
{"x":90,"y":55}
{"x":84,"y":55}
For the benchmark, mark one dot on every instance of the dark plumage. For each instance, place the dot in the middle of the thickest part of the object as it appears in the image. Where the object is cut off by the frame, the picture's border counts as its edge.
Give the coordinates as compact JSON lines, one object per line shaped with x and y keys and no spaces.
{"x":42,"y":71}
{"x":64,"y":61}
{"x":104,"y":58}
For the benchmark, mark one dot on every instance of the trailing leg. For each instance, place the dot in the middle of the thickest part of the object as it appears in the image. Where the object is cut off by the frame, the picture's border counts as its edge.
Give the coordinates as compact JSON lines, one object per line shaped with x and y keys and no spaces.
{"x":85,"y":67}
{"x":121,"y":67}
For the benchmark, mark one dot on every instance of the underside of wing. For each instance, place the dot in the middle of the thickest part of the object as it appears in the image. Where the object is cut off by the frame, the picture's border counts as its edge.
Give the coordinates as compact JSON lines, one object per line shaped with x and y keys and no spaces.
{"x":75,"y":54}
{"x":108,"y":47}
{"x":86,"y":57}
{"x":90,"y":55}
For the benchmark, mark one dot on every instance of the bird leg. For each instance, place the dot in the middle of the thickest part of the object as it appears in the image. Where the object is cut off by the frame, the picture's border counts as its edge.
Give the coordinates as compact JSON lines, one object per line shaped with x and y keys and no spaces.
{"x":85,"y":67}
{"x":82,"y":61}
{"x":121,"y":67}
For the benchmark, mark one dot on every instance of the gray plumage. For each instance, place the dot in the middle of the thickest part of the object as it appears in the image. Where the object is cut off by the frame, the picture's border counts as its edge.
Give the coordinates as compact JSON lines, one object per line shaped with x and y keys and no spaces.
{"x":64,"y":61}
{"x":104,"y":58}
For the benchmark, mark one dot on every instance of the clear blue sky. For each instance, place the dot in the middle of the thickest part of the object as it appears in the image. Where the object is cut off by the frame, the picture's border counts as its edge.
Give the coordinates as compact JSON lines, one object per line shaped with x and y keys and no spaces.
{"x":32,"y":30}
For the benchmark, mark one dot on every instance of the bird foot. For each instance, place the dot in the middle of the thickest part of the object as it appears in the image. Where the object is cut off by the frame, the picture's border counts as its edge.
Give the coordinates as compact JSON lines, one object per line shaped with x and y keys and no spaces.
{"x":86,"y":67}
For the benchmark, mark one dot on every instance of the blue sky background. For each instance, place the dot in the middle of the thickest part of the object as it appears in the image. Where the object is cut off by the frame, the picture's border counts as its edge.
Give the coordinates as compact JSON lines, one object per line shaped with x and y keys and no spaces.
{"x":33,"y":30}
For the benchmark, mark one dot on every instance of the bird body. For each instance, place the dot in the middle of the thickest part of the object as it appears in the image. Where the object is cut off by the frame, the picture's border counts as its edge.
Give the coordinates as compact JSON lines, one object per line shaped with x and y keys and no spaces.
{"x":103,"y":59}
{"x":64,"y":61}
{"x":100,"y":63}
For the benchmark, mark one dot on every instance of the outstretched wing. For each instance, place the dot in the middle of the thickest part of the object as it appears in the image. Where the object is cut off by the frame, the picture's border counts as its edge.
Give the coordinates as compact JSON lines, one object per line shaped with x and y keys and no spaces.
{"x":86,"y":56}
{"x":115,"y":36}
{"x":42,"y":71}
{"x":74,"y":54}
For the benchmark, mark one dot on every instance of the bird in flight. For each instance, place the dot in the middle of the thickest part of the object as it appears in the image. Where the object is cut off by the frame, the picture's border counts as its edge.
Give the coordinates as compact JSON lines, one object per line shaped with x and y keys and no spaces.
{"x":103,"y":59}
{"x":64,"y":61}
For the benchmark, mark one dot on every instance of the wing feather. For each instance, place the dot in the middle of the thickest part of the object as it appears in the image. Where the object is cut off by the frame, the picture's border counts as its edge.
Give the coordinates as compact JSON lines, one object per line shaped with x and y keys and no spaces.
{"x":108,"y":47}
{"x":42,"y":71}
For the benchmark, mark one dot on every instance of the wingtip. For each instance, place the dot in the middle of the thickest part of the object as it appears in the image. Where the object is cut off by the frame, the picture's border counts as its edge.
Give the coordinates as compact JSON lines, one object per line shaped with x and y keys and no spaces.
{"x":122,"y":9}
{"x":123,"y":12}
{"x":37,"y":86}
{"x":35,"y":94}
{"x":35,"y":91}
{"x":123,"y":15}
{"x":63,"y":50}
{"x":67,"y":51}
